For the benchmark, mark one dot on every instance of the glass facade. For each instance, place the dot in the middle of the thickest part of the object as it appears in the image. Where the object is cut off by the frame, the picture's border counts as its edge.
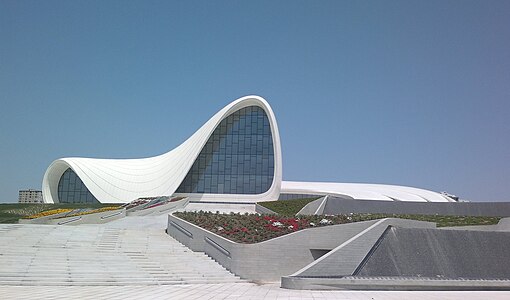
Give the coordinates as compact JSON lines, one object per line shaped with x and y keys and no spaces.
{"x":72,"y":190}
{"x":238,"y":158}
{"x":297,"y":196}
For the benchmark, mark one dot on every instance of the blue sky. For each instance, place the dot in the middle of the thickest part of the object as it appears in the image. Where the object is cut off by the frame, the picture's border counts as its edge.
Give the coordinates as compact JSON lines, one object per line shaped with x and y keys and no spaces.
{"x":412,"y":93}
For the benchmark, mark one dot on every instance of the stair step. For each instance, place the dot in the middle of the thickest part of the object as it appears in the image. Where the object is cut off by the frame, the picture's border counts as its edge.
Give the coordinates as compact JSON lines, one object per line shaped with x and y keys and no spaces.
{"x":91,"y":255}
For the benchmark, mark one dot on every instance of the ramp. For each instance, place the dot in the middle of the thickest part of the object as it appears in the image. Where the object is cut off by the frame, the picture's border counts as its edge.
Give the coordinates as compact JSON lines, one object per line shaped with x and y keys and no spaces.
{"x":433,"y":253}
{"x":415,"y":259}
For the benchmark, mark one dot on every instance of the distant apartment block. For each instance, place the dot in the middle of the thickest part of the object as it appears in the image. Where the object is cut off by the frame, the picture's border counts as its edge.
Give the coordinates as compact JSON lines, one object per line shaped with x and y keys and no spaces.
{"x":30,"y":196}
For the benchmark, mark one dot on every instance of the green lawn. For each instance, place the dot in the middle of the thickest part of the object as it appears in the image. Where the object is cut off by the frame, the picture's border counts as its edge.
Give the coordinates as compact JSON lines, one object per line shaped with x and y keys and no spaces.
{"x":12,"y":212}
{"x":287,"y":207}
{"x":447,"y":221}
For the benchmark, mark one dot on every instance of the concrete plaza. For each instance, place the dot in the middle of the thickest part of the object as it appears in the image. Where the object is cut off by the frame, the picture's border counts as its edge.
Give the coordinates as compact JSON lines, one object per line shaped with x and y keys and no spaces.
{"x":133,"y":258}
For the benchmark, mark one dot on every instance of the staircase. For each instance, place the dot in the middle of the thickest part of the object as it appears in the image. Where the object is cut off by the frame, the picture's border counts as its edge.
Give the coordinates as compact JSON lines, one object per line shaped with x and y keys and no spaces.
{"x":96,"y":255}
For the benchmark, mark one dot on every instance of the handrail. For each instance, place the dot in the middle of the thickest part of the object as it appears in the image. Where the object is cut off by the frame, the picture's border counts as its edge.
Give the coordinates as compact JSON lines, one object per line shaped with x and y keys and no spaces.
{"x":69,"y":221}
{"x":217,"y":246}
{"x":169,"y":208}
{"x":112,"y":215}
{"x":181,"y":229}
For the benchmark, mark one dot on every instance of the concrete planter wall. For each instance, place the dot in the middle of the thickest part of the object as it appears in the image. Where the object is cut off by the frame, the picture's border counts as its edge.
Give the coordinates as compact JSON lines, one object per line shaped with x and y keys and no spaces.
{"x":97,"y":218}
{"x":315,"y":207}
{"x":268,"y":260}
{"x":41,"y":220}
{"x":412,"y":258}
{"x":263,"y":210}
{"x":335,"y":206}
{"x":161,"y":209}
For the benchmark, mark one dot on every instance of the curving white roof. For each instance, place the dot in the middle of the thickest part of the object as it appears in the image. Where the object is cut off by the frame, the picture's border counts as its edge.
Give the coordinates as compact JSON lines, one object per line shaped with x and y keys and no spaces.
{"x":364,"y":191}
{"x":123,"y":180}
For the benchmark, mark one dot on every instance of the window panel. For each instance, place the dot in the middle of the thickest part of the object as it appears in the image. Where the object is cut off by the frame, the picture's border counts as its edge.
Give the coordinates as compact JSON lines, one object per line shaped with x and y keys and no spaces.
{"x":72,"y":190}
{"x":238,"y":158}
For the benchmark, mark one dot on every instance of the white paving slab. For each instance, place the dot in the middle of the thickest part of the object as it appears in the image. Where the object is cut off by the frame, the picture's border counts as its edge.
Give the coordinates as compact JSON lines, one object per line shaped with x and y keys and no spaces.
{"x":226,"y":291}
{"x":134,"y":258}
{"x":100,"y":255}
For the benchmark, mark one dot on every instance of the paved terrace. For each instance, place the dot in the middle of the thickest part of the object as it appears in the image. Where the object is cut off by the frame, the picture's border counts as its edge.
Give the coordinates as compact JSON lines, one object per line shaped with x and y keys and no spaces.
{"x":98,"y":255}
{"x":134,"y":258}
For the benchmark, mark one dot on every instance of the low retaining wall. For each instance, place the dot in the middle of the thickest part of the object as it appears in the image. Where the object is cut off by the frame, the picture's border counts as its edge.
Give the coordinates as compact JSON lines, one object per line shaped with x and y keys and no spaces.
{"x":161,"y":209}
{"x":268,"y":260}
{"x":41,"y":220}
{"x":347,"y":257}
{"x":263,"y":210}
{"x":442,"y":253}
{"x":394,"y":283}
{"x":412,"y":259}
{"x":96,"y":218}
{"x":315,"y":207}
{"x":337,"y":205}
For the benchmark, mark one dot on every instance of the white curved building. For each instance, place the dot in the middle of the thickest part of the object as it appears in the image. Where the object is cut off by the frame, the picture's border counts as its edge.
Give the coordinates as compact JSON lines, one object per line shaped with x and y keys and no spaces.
{"x":234,"y":157}
{"x":363,"y":191}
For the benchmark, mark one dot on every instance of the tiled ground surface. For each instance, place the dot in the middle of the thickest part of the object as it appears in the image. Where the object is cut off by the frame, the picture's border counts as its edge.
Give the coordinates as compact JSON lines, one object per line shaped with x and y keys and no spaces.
{"x":99,"y":255}
{"x":226,"y":291}
{"x":133,"y":258}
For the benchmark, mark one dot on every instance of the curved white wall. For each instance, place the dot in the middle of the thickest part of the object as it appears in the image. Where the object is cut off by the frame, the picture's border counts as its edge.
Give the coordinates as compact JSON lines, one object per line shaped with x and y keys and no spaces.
{"x":123,"y":180}
{"x":364,"y":191}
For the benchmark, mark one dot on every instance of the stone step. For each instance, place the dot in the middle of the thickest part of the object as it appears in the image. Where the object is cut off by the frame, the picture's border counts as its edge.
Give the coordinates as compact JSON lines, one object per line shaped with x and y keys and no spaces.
{"x":122,"y":274}
{"x":124,"y":283}
{"x":91,"y":255}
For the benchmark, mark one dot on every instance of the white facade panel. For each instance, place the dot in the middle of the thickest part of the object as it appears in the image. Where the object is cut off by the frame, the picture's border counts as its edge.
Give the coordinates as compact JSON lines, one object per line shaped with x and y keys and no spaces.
{"x":363,"y":191}
{"x":123,"y":180}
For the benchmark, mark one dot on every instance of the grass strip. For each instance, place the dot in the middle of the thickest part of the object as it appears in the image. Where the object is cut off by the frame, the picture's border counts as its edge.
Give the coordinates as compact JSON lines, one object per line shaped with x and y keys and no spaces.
{"x":287,"y":207}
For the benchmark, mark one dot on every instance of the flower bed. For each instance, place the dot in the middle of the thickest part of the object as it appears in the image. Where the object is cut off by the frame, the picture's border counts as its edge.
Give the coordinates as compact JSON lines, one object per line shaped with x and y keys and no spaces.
{"x":150,"y":202}
{"x":11,"y":213}
{"x":254,"y":228}
{"x":48,"y":213}
{"x":92,"y":211}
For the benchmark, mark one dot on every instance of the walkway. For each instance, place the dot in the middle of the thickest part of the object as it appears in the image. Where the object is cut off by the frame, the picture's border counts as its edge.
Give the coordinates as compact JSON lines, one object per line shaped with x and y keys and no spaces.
{"x":243,"y":291}
{"x":134,"y":258}
{"x":98,"y":255}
